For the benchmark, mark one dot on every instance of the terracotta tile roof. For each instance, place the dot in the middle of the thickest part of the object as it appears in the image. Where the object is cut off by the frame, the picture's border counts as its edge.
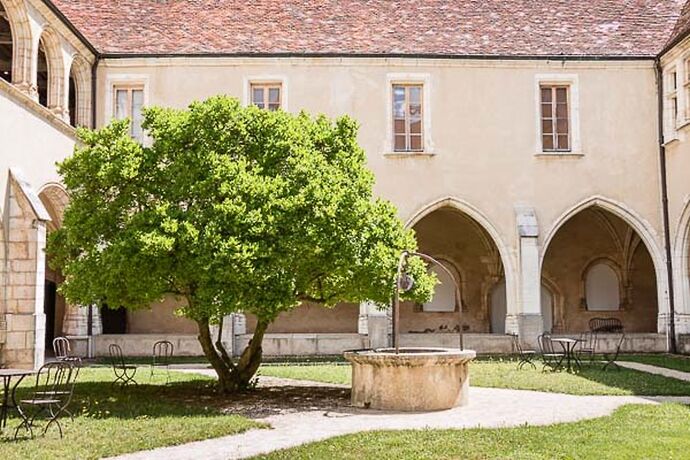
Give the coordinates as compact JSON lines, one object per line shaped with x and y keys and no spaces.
{"x":428,"y":27}
{"x":682,"y":25}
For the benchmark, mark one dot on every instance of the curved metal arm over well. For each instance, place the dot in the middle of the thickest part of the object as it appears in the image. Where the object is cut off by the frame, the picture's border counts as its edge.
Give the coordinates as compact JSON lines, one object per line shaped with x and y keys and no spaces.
{"x":396,"y":295}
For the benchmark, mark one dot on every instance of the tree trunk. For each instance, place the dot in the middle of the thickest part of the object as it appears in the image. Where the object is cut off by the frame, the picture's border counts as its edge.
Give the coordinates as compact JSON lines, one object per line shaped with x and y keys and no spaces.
{"x":233,"y":377}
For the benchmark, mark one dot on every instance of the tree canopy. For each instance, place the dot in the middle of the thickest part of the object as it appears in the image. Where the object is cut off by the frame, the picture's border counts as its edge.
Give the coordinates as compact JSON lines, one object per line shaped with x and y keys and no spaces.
{"x":232,"y":209}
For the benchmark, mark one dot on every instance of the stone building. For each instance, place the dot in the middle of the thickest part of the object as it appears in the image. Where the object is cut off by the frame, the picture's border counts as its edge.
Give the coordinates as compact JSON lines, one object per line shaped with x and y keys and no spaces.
{"x":538,"y":150}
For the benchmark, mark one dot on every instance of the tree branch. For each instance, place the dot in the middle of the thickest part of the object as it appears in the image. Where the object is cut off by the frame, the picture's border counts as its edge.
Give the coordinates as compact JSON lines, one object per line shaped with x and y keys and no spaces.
{"x":221,"y":348}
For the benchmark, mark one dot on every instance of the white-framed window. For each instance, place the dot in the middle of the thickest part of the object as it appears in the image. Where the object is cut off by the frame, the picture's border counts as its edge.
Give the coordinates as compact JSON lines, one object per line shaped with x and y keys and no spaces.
{"x":408,"y":112}
{"x":444,"y":299}
{"x":127,"y":96}
{"x":266,"y":95}
{"x":266,"y":92}
{"x":672,"y":96}
{"x":602,"y":288}
{"x":128,"y":103}
{"x":557,"y":114}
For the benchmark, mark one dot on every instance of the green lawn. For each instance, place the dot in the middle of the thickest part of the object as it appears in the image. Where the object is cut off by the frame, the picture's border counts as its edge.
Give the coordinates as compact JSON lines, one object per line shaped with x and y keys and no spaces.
{"x":502,"y":373}
{"x":109,"y":421}
{"x":632,"y":432}
{"x":677,"y":362}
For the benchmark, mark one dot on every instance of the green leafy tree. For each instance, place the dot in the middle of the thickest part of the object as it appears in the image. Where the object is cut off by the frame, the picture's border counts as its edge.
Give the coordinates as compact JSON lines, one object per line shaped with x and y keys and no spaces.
{"x":231,"y":209}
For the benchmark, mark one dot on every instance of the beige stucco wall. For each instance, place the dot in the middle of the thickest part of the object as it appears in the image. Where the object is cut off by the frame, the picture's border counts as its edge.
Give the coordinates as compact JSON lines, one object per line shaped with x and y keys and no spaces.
{"x":482,"y":118}
{"x":160,"y":319}
{"x":32,"y":140}
{"x":309,"y":318}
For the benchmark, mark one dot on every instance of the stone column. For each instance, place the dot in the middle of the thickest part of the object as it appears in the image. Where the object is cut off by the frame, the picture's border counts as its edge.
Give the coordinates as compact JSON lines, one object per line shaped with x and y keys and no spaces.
{"x":528,"y":321}
{"x":25,"y":218}
{"x":239,"y":328}
{"x":375,"y":324}
{"x":76,"y":321}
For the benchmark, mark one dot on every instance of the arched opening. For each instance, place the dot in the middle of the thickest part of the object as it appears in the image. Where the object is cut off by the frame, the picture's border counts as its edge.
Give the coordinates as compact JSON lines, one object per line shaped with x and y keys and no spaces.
{"x":601,"y":268}
{"x":6,"y":45}
{"x":72,"y":98}
{"x":547,"y":307}
{"x":468,"y":250}
{"x":42,"y":75}
{"x":499,"y":308}
{"x":55,"y":199}
{"x":79,"y":97}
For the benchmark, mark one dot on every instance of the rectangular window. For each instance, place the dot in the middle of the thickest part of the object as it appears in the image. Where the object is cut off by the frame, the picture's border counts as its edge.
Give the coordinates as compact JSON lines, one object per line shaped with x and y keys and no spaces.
{"x":129,"y":101}
{"x":555,"y":118}
{"x":408,"y":116}
{"x":673,"y":97}
{"x":266,"y":95}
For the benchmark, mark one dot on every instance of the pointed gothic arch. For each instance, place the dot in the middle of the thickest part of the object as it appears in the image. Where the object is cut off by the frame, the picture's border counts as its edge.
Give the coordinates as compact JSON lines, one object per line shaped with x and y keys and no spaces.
{"x":654,"y":292}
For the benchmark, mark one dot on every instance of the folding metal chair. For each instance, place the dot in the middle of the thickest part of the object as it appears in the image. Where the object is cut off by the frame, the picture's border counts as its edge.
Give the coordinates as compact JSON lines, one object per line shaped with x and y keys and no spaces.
{"x":162,"y":355}
{"x":551,"y":358}
{"x":124,"y":373}
{"x":52,"y":393}
{"x":587,"y":346}
{"x":525,"y":356}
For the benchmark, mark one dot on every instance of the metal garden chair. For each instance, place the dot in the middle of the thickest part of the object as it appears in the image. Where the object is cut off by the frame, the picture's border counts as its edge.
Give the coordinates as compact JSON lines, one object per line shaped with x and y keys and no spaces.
{"x":609,"y":326}
{"x":551,"y":358}
{"x":525,"y":356}
{"x":124,"y":373}
{"x":162,"y":355}
{"x":63,"y":351}
{"x":52,"y":394}
{"x":587,"y":346}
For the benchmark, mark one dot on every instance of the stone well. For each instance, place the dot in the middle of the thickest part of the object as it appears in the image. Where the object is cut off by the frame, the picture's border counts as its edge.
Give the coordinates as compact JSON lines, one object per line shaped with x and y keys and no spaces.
{"x":415,"y":379}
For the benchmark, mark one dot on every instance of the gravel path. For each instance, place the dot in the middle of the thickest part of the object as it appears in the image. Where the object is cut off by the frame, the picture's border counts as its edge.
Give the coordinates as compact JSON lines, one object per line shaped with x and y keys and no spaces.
{"x":488,"y":408}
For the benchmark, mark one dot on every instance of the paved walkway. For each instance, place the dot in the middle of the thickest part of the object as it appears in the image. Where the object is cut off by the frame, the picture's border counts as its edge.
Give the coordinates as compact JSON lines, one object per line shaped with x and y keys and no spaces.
{"x":674,"y":374}
{"x":488,"y":407}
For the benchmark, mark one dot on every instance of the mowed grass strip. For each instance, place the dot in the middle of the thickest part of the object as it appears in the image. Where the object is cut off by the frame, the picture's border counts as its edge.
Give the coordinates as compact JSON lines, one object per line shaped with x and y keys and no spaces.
{"x":632,"y":432}
{"x":503,"y":373}
{"x":110,"y":421}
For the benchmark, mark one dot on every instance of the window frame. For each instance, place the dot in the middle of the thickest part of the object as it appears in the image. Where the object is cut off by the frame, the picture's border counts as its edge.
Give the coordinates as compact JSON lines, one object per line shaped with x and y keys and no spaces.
{"x":575,"y":141}
{"x":253,"y":80}
{"x":419,"y":79}
{"x":555,"y":134}
{"x":119,"y":81}
{"x":130,"y":88}
{"x":407,"y":119}
{"x":266,"y":87}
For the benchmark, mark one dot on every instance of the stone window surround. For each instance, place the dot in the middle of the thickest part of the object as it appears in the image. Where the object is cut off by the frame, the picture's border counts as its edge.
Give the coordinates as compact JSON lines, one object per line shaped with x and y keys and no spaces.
{"x":267,"y":79}
{"x":114,"y":81}
{"x":572,"y":81}
{"x":423,"y":79}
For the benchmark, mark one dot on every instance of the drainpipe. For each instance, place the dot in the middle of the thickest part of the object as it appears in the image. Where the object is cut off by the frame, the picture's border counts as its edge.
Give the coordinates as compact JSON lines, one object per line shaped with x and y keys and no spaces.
{"x":664,"y":206}
{"x":94,"y":90}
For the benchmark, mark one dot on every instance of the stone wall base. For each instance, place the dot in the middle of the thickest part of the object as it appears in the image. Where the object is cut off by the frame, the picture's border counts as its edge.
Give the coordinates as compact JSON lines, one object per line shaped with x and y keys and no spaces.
{"x":306,"y":344}
{"x":142,"y":344}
